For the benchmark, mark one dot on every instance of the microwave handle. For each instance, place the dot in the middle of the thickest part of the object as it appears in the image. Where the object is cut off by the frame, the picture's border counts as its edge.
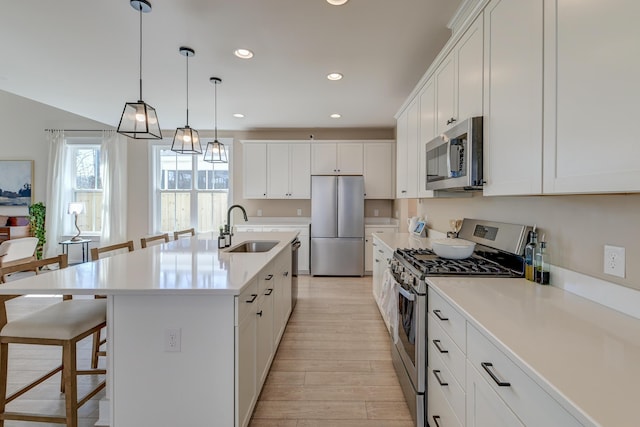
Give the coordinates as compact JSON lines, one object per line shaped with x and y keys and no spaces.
{"x":453,"y":158}
{"x":449,"y":174}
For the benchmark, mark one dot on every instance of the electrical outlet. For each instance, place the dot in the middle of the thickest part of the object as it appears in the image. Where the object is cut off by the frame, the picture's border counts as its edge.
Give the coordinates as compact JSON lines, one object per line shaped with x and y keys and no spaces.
{"x":259,"y":212}
{"x":614,"y":260}
{"x":299,"y":212}
{"x":376,"y":212}
{"x":172,"y":339}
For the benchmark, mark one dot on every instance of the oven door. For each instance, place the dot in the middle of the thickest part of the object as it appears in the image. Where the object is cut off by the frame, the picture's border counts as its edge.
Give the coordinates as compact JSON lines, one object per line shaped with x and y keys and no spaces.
{"x":412,"y":335}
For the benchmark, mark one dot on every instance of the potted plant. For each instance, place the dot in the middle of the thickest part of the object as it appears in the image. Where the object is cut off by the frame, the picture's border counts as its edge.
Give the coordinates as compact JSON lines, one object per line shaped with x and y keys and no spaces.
{"x":37,"y":213}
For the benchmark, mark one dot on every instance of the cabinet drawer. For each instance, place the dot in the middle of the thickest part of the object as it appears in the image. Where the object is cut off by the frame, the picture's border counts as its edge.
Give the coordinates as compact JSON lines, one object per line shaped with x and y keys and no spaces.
{"x":441,"y":377}
{"x":450,"y":354}
{"x":525,"y":398}
{"x":448,"y":318}
{"x":266,"y":279}
{"x":247,"y":301}
{"x":439,"y":412}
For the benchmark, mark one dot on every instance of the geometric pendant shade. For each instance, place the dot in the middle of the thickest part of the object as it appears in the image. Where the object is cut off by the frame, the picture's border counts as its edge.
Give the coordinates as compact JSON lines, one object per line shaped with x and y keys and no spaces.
{"x":186,"y":140}
{"x":139,"y":119}
{"x":215,"y":151}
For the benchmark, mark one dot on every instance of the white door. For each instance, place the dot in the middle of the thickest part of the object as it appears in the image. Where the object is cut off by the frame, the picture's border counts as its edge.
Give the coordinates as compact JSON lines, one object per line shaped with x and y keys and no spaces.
{"x":402,"y":153}
{"x":323,"y":158}
{"x":378,"y":170}
{"x":427,"y":131}
{"x":469,"y":62}
{"x":350,"y":158}
{"x":413,"y":135}
{"x":299,"y":171}
{"x":446,"y":94}
{"x":278,"y":171}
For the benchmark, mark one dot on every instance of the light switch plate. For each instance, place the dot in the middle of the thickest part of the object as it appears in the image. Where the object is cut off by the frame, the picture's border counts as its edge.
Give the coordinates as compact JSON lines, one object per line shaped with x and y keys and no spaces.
{"x":259,"y":212}
{"x":614,"y":261}
{"x":172,"y":339}
{"x":299,"y":212}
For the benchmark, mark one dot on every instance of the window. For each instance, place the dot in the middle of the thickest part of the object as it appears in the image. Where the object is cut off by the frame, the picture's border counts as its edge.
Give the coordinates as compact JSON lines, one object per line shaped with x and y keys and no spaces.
{"x":188,"y":192}
{"x":86,"y":185}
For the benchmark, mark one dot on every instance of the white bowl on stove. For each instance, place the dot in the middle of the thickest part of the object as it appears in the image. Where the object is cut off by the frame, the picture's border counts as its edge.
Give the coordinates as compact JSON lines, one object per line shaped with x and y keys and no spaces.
{"x":453,"y":248}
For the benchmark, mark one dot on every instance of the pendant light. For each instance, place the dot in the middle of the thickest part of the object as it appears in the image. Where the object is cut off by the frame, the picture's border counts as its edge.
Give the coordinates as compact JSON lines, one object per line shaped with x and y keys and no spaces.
{"x":186,"y":140}
{"x":139,"y":119}
{"x":215,"y":152}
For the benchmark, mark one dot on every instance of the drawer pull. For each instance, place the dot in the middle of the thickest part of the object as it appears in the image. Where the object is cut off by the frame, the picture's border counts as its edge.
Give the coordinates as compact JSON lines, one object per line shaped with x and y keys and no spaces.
{"x":380,"y":251}
{"x":269,"y":277}
{"x":436,"y":373}
{"x":440,"y":349}
{"x":253,"y":298}
{"x":439,"y":316}
{"x":435,"y":420}
{"x":286,"y":274}
{"x":259,"y":313}
{"x":486,"y":366}
{"x":269,"y":291}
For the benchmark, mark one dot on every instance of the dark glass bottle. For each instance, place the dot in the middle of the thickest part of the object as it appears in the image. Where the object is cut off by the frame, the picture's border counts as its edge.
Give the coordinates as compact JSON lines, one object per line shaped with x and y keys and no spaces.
{"x":529,"y":257}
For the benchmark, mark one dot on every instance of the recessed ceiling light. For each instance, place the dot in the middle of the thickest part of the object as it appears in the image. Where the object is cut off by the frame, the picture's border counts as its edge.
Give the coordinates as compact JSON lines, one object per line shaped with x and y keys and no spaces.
{"x":238,"y":115}
{"x":243,"y":53}
{"x":337,"y":2}
{"x":334,"y":76}
{"x":335,"y":116}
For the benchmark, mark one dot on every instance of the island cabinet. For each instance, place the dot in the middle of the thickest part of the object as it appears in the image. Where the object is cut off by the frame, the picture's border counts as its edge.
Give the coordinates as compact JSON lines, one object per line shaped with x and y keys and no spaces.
{"x":592,"y":63}
{"x":263,"y":310}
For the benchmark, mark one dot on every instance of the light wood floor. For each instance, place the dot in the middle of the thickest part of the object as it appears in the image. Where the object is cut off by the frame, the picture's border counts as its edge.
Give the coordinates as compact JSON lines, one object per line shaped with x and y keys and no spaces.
{"x":333,"y":367}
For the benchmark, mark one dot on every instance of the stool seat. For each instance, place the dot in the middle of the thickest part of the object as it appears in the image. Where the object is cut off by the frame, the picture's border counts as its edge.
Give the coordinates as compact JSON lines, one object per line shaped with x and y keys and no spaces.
{"x":62,"y":321}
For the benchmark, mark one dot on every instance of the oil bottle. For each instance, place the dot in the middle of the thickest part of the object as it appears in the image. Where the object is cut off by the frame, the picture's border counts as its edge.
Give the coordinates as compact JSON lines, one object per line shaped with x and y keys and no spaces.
{"x":529,"y":256}
{"x":542,"y":266}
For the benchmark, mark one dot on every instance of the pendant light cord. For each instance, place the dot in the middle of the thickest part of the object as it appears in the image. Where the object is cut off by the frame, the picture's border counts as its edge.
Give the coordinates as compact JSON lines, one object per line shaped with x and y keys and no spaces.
{"x":187,"y":55}
{"x":215,"y":108}
{"x":140,"y":67}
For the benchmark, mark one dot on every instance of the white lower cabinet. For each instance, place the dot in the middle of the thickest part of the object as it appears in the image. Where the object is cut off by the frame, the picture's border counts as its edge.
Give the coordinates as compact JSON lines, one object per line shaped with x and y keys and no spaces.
{"x":484,"y":406}
{"x":262,"y":312}
{"x":439,"y":412}
{"x":528,"y":401}
{"x":370,"y":247}
{"x":381,"y":255}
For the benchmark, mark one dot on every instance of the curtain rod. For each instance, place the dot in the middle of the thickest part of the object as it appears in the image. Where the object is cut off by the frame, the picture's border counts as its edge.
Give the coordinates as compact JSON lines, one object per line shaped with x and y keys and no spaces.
{"x":78,"y":130}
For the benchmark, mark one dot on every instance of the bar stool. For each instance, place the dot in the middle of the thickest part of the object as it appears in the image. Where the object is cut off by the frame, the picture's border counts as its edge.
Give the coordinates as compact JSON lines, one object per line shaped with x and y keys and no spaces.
{"x":95,"y":255}
{"x":63,"y":324}
{"x":144,"y":242}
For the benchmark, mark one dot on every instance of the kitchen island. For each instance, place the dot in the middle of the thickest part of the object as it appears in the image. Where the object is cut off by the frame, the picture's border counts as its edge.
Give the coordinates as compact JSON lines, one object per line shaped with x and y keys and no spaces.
{"x":179,"y":315}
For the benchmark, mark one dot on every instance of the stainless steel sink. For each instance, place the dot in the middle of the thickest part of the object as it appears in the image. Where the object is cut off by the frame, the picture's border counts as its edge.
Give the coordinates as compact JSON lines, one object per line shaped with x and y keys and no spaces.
{"x":254,"y":246}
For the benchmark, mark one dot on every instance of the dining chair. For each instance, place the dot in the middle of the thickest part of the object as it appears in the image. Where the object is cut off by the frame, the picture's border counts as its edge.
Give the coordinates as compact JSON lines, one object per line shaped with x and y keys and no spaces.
{"x":144,"y":242}
{"x":61,"y":324}
{"x":96,"y":252}
{"x":189,"y":231}
{"x":95,"y":255}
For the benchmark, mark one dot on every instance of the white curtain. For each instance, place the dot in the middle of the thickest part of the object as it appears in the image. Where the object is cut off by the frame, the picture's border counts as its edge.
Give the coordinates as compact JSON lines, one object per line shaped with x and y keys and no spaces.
{"x":58,"y":191}
{"x":114,"y":186}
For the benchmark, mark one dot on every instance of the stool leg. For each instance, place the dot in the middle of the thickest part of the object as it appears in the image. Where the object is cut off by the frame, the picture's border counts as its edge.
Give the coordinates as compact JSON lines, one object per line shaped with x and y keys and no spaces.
{"x":95,"y":350}
{"x":70,"y":381}
{"x":4,"y":355}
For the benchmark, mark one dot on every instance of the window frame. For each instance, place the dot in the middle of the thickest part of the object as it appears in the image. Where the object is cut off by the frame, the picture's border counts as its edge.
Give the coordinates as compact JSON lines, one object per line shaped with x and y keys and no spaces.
{"x":73,"y":145}
{"x":155,"y":193}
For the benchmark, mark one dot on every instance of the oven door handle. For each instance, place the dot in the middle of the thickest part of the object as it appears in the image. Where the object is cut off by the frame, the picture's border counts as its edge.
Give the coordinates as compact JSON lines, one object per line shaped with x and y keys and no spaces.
{"x":405,"y":293}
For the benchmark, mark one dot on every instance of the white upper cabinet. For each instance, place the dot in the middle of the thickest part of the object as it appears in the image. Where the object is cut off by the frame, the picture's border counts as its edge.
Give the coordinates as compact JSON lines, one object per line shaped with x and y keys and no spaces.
{"x":344,"y":158}
{"x":427,"y":133}
{"x":592,"y":64}
{"x":289,"y":171}
{"x":470,"y":69}
{"x":446,"y":94}
{"x":513,"y":97}
{"x":378,"y":170}
{"x":254,"y":166}
{"x":407,"y":134}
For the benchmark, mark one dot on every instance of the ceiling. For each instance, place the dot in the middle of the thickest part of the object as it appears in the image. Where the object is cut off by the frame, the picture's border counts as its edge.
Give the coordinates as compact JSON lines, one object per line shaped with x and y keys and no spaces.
{"x":82,"y":57}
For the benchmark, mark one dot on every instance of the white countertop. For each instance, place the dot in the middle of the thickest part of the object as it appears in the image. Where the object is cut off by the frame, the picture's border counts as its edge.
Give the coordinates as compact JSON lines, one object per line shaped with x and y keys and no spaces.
{"x":582,"y":351}
{"x":275,"y":220}
{"x":185,"y":266}
{"x":579,"y":351}
{"x":381,"y":221}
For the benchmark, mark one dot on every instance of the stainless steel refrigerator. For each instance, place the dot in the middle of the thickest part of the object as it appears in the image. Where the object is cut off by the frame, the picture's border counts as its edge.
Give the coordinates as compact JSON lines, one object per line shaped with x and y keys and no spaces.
{"x":337,"y":225}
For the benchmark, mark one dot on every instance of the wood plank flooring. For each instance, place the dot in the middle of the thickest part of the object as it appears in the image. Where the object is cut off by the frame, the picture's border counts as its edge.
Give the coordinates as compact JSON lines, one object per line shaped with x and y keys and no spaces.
{"x":333,"y":367}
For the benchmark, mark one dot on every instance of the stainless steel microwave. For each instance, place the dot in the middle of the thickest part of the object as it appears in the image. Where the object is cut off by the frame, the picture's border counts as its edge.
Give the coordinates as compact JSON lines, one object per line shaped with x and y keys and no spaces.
{"x":454,"y":159}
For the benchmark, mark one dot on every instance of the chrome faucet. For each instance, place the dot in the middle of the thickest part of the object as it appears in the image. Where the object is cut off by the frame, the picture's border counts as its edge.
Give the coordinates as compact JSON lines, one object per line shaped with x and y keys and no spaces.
{"x":227,"y":227}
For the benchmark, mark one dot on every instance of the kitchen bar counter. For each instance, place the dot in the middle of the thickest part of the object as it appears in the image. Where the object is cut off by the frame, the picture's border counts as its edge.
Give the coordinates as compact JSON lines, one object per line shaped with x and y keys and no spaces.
{"x":184,"y":266}
{"x":188,"y":286}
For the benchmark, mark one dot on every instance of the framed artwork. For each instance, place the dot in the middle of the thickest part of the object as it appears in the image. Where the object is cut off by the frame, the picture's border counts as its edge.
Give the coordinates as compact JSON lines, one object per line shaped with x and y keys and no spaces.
{"x":16,"y":179}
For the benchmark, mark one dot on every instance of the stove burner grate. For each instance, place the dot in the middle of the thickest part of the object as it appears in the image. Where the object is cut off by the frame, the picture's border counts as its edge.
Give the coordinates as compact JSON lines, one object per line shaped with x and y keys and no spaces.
{"x":428,"y":263}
